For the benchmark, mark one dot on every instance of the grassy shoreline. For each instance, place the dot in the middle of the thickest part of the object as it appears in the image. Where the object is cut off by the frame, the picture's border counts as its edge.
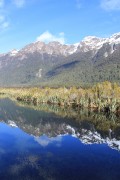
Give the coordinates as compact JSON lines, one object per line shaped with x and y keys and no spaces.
{"x":101,"y":97}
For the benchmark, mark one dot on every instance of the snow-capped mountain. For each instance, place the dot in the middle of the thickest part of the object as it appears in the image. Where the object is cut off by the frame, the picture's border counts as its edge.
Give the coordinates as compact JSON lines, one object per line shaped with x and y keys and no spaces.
{"x":93,"y":137}
{"x":52,"y":48}
{"x":52,"y":130}
{"x":91,"y":60}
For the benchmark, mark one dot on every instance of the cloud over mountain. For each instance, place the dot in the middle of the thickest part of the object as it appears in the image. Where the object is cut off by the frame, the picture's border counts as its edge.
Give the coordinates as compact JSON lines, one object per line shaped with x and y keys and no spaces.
{"x":48,"y":37}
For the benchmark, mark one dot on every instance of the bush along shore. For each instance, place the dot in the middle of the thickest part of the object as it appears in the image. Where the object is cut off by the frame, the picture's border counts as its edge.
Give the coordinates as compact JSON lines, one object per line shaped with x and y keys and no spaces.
{"x":103,"y":97}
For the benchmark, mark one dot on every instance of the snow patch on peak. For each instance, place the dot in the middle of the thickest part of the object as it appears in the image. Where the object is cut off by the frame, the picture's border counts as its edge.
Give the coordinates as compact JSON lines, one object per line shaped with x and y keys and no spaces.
{"x":115,"y":35}
{"x":95,"y":43}
{"x":12,"y":123}
{"x":13,"y":52}
{"x":73,"y":48}
{"x":92,"y":43}
{"x":91,"y":38}
{"x":114,"y":39}
{"x":89,"y":43}
{"x":76,"y":44}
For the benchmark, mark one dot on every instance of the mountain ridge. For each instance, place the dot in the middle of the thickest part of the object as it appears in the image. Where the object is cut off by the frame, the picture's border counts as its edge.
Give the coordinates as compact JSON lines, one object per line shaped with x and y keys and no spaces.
{"x":92,"y":41}
{"x":54,"y":64}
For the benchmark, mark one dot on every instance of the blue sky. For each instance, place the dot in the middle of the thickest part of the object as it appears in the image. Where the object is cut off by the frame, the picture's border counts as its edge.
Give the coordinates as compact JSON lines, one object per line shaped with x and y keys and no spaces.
{"x":67,"y":21}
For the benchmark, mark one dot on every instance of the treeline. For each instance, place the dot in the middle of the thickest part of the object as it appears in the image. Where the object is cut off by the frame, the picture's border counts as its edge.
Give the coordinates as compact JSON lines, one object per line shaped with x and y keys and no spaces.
{"x":101,"y":97}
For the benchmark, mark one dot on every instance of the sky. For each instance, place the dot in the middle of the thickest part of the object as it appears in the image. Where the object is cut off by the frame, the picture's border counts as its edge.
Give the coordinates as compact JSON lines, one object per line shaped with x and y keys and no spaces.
{"x":67,"y":21}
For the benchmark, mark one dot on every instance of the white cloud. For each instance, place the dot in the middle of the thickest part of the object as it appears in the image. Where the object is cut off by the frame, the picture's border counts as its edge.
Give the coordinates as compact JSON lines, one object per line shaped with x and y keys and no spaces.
{"x":61,"y":33}
{"x":2,"y":18}
{"x":1,"y":3}
{"x":19,"y":3}
{"x":78,"y":4}
{"x":110,"y":4}
{"x":48,"y":37}
{"x":4,"y":24}
{"x":45,"y":141}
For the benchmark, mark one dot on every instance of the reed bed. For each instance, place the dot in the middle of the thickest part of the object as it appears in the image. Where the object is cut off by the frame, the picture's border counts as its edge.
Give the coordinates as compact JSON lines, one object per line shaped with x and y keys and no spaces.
{"x":101,"y":97}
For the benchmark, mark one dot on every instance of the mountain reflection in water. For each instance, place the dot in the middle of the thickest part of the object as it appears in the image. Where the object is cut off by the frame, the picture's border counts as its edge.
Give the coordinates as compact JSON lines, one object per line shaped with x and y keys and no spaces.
{"x":57,"y":143}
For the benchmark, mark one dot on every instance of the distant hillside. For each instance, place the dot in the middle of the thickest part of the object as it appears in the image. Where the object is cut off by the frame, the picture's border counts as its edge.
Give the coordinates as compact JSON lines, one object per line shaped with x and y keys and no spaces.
{"x":54,"y":64}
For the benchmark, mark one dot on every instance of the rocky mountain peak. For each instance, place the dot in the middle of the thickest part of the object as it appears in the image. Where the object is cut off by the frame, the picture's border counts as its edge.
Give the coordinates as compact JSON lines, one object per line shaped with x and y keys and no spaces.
{"x":13,"y":52}
{"x":89,"y":61}
{"x":56,"y":48}
{"x":95,"y":43}
{"x":54,"y":43}
{"x":116,"y":35}
{"x":88,"y":39}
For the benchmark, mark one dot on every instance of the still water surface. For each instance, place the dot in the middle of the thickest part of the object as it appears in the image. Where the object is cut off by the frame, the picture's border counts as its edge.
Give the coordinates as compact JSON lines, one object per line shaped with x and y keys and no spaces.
{"x":39,"y":145}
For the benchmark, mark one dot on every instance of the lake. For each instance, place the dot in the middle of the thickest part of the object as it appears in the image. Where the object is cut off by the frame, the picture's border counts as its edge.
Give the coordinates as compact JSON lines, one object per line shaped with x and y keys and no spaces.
{"x":51,"y":143}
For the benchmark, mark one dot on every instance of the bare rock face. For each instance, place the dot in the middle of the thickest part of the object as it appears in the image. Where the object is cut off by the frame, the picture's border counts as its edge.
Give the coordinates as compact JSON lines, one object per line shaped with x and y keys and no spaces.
{"x":52,"y":48}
